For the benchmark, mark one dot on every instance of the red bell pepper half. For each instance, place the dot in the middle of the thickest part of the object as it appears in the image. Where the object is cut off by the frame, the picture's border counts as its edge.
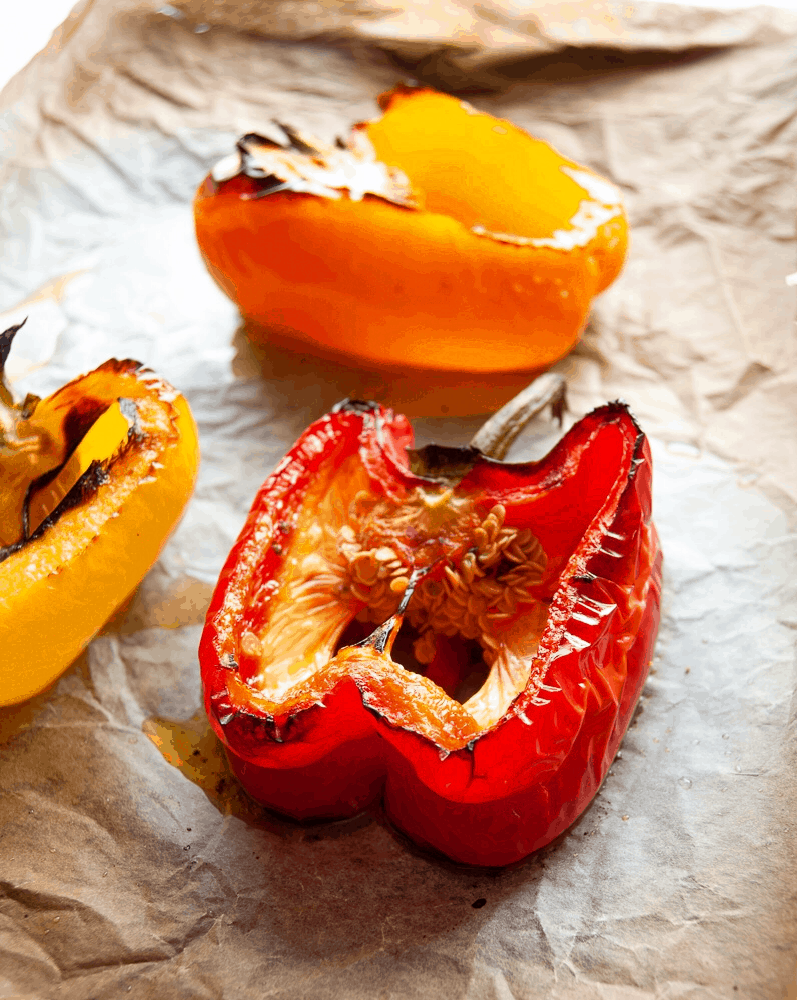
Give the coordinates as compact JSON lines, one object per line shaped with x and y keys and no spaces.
{"x":465,"y":637}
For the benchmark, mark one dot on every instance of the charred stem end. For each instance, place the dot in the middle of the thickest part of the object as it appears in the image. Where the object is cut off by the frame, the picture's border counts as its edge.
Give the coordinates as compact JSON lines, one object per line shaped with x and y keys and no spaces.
{"x":355,"y":406}
{"x":6,"y":340}
{"x":442,"y":463}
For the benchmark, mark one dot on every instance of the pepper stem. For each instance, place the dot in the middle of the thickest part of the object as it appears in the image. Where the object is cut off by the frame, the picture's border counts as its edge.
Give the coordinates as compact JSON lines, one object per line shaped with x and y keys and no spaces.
{"x":27,"y":451}
{"x":496,"y":436}
{"x":6,"y":340}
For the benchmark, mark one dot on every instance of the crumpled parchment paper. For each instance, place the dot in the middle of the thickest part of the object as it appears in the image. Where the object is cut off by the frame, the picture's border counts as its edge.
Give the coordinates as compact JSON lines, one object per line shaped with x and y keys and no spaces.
{"x":130,"y":862}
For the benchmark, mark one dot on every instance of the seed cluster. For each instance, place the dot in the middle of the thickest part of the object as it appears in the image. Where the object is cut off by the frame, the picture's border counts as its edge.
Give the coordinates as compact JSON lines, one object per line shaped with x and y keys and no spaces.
{"x":375,"y":576}
{"x":471,"y":599}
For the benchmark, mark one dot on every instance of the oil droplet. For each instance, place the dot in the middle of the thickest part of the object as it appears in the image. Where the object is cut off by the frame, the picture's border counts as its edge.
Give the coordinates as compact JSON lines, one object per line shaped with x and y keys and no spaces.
{"x":725,"y":736}
{"x":625,"y":819}
{"x":685,"y":782}
{"x":193,"y":748}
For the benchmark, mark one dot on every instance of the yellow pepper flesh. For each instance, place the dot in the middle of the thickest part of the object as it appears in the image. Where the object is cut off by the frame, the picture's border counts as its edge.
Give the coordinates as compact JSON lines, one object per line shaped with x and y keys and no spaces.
{"x":61,"y":586}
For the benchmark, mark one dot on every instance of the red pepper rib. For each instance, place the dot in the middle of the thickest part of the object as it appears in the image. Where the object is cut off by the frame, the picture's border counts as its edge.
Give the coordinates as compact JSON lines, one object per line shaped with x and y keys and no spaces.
{"x":361,"y":726}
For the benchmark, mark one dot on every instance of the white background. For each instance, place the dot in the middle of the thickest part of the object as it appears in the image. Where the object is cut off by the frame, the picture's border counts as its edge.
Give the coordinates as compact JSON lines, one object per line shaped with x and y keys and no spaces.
{"x":27,"y":29}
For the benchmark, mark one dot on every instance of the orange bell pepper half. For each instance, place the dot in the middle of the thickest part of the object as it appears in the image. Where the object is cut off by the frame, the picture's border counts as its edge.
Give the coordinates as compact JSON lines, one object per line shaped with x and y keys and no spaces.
{"x":438,"y":237}
{"x":463,"y":637}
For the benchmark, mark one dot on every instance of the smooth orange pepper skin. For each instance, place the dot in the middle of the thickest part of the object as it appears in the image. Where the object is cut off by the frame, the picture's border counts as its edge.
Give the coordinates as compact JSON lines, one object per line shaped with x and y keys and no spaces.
{"x":60,"y":588}
{"x":392,"y":285}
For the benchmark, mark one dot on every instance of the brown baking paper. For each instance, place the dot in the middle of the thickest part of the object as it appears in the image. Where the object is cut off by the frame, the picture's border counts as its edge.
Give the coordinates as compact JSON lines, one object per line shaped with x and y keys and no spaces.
{"x":131,"y":864}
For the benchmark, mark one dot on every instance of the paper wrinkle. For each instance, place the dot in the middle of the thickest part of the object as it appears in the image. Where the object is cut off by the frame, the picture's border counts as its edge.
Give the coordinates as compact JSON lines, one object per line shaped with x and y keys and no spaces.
{"x":675,"y":881}
{"x":496,"y":31}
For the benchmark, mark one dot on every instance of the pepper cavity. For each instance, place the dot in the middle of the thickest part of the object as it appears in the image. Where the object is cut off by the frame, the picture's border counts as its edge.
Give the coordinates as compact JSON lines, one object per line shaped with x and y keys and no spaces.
{"x":472,"y":597}
{"x":350,"y":563}
{"x":51,"y":456}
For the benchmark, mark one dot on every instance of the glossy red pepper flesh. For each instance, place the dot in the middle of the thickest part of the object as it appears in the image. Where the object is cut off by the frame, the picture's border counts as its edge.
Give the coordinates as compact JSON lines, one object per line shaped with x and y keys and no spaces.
{"x":317,"y":718}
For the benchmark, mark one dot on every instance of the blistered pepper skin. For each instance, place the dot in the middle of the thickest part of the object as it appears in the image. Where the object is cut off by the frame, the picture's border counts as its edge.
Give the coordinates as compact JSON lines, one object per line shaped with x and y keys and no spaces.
{"x":525,"y":783}
{"x":365,"y":728}
{"x":61,"y":586}
{"x":450,"y":278}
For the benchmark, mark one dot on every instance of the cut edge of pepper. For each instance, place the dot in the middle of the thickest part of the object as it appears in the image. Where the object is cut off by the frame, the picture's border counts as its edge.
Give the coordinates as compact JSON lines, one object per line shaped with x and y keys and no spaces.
{"x":134,"y":381}
{"x":287,"y":161}
{"x":246,"y":701}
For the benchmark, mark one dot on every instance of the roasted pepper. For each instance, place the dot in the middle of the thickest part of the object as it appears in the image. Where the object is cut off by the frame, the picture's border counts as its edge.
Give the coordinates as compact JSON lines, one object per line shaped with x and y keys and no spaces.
{"x":93,"y":479}
{"x":465,"y":637}
{"x":437,"y":237}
